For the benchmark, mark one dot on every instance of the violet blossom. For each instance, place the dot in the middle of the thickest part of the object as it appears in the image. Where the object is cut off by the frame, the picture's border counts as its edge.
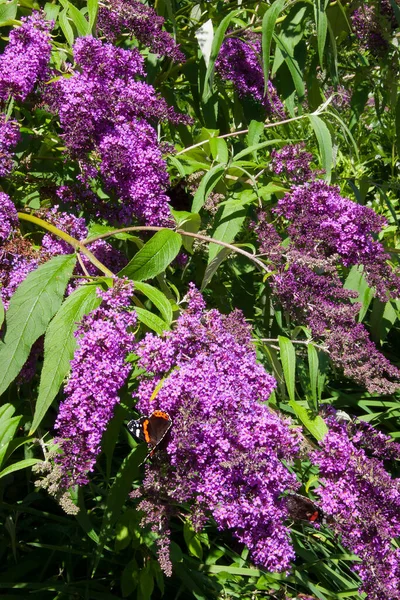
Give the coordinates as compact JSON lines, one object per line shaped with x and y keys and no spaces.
{"x":105,"y":114}
{"x":239,"y":61}
{"x":363,"y":501}
{"x":225,"y":446}
{"x":98,"y":371}
{"x":139,"y":20}
{"x":9,"y":138}
{"x":294,"y":162}
{"x":25,"y":60}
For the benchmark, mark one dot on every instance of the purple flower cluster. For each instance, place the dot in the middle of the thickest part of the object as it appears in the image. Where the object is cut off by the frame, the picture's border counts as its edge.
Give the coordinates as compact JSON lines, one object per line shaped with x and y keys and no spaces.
{"x":323,"y":223}
{"x":294,"y":162}
{"x":239,"y":61}
{"x":9,"y":138}
{"x":25,"y":60}
{"x":364,"y":501}
{"x":372,"y":23}
{"x":327,"y":231}
{"x":142,"y":21}
{"x":8,"y":217}
{"x":225,"y":446}
{"x":105,"y":115}
{"x":98,"y":371}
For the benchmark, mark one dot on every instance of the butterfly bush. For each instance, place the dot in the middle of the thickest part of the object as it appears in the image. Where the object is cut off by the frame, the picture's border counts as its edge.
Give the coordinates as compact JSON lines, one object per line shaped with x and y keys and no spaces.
{"x":25,"y":60}
{"x":239,"y":61}
{"x":226,"y":446}
{"x":138,"y":20}
{"x":107,"y":118}
{"x":325,"y":231}
{"x":363,"y":501}
{"x":98,"y":371}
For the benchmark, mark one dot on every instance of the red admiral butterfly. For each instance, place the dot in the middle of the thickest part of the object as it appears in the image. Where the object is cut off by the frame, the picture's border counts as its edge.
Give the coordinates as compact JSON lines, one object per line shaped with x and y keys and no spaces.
{"x":151,"y":429}
{"x":301,"y":508}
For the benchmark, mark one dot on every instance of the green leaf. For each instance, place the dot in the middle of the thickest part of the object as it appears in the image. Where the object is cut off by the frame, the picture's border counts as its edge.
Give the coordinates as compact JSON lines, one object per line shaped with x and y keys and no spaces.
{"x":268,"y":25}
{"x":154,"y":257}
{"x":292,"y":65}
{"x":187,"y":221}
{"x":8,"y":12}
{"x":2,"y":313}
{"x":32,"y":306}
{"x":313,"y":363}
{"x":66,"y":27}
{"x":216,"y":45}
{"x":6,"y":411}
{"x":23,"y":464}
{"x":8,"y":427}
{"x":325,"y":144}
{"x":206,"y":186}
{"x":256,"y":147}
{"x":192,"y":540}
{"x":130,"y":578}
{"x":82,"y":26}
{"x":256,"y":129}
{"x":228,"y":221}
{"x":288,"y":360}
{"x":397,"y":113}
{"x":59,"y":346}
{"x":316,"y":426}
{"x":146,"y":583}
{"x":159,"y":299}
{"x":212,"y":267}
{"x":116,"y":499}
{"x":93,"y":7}
{"x":219,"y":150}
{"x":322,"y":29}
{"x":151,"y":320}
{"x":51,"y":11}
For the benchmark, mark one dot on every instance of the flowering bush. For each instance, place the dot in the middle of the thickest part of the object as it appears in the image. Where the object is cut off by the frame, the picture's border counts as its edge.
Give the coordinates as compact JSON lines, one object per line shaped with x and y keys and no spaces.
{"x":199,"y":300}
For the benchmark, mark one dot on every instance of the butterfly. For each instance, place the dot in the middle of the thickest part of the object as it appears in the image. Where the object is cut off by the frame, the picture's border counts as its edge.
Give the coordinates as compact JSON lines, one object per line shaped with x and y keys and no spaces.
{"x":151,"y":429}
{"x":301,"y":508}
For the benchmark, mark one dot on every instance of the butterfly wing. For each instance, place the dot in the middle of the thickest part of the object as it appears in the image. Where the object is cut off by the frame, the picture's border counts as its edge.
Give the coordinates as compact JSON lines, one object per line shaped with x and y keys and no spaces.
{"x":157,"y":427}
{"x":301,"y":508}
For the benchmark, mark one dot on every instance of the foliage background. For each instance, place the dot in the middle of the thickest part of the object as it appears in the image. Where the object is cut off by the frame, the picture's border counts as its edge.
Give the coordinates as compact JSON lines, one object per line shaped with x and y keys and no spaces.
{"x":317,"y":63}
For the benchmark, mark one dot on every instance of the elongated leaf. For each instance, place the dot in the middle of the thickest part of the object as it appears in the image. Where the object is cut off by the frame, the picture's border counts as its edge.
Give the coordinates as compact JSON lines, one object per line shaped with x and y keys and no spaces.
{"x":288,"y":360}
{"x":158,"y":299}
{"x":2,"y":313}
{"x":316,"y":426}
{"x":117,"y":498}
{"x":82,"y":26}
{"x":228,"y":223}
{"x":66,"y":27}
{"x":313,"y":367}
{"x":187,"y":221}
{"x":325,"y":144}
{"x":219,"y":150}
{"x":8,"y":427}
{"x":292,"y":65}
{"x":216,"y":45}
{"x":268,"y":25}
{"x":212,"y":267}
{"x":154,"y":257}
{"x":22,"y":464}
{"x":93,"y":7}
{"x":6,"y":411}
{"x":206,"y":186}
{"x":256,"y":147}
{"x":322,"y":29}
{"x":8,"y":12}
{"x":151,"y":320}
{"x":59,"y":347}
{"x":32,"y":306}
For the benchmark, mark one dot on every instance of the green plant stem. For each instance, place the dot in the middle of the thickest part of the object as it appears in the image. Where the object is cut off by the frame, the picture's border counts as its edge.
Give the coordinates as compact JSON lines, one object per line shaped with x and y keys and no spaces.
{"x":198,"y":236}
{"x":76,"y":244}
